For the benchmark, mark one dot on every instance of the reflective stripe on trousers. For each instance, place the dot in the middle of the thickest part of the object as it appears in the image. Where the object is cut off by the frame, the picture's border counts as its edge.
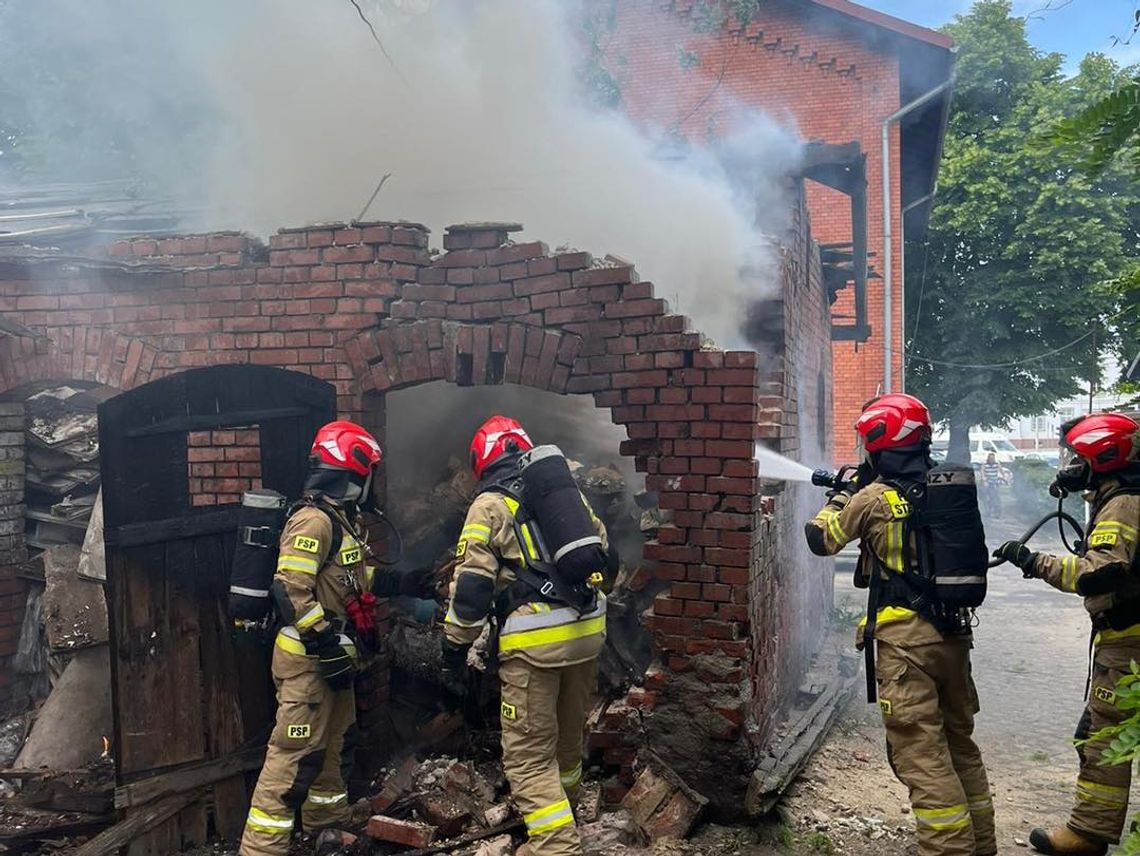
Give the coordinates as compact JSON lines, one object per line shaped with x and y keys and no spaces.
{"x":326,"y":798}
{"x":271,"y":824}
{"x":940,"y":819}
{"x":549,"y":817}
{"x":1108,"y":795}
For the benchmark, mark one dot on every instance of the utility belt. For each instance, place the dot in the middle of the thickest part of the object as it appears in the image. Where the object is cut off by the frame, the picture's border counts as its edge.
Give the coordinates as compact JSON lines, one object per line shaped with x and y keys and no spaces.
{"x":532,"y":587}
{"x":908,"y":591}
{"x":1122,"y":616}
{"x":343,"y":628}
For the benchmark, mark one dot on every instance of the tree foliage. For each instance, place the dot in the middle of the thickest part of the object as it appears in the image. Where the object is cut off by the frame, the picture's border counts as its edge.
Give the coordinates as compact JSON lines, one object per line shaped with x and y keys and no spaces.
{"x":1005,"y":314}
{"x":1124,"y":741}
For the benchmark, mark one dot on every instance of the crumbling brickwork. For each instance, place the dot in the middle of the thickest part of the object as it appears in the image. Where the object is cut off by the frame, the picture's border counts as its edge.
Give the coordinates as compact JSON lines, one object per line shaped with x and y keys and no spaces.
{"x":370,"y":309}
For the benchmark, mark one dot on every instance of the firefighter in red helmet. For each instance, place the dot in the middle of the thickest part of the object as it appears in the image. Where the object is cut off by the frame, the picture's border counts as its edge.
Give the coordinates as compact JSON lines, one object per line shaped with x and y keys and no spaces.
{"x":548,"y":648}
{"x":1105,"y":468}
{"x":325,"y":593}
{"x":925,"y":690}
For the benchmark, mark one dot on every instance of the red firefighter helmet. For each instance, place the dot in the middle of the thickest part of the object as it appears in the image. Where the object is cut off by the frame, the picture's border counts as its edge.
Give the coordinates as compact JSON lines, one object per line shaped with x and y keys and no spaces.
{"x":346,"y":446}
{"x":1106,"y":440}
{"x":492,"y":440}
{"x":893,"y":421}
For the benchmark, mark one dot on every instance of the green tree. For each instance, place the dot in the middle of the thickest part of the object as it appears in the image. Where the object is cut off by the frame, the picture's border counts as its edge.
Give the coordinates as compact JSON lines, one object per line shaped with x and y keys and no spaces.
{"x":1004,"y":313}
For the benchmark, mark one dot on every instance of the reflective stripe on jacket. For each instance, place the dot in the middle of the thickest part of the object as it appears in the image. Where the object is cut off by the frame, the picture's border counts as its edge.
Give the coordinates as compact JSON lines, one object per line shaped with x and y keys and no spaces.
{"x":543,"y":634}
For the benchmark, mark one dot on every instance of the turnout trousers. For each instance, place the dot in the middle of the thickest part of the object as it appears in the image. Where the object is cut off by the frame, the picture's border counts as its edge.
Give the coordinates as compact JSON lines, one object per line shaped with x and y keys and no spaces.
{"x":543,"y":718}
{"x":303,"y":762}
{"x":928,"y":701}
{"x":1101,"y":802}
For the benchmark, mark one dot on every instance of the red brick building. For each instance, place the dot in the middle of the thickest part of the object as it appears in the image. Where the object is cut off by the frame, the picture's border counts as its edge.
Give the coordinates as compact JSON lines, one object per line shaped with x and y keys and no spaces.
{"x":731,"y":611}
{"x":836,"y":71}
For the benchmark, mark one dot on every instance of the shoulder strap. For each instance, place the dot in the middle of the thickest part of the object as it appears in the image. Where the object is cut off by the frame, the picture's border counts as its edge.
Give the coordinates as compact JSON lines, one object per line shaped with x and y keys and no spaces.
{"x":337,"y":527}
{"x":1125,"y":490}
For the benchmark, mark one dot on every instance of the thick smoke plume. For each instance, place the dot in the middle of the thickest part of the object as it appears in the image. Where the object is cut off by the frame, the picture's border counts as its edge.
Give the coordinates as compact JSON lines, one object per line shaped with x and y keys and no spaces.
{"x":282,"y":112}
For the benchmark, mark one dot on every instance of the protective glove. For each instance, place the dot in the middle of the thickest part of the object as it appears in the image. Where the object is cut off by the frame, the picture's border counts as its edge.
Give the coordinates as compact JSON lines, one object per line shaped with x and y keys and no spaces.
{"x":838,"y":499}
{"x":453,"y":669}
{"x":1017,"y":554}
{"x":419,"y":583}
{"x":335,"y":663}
{"x":864,"y":475}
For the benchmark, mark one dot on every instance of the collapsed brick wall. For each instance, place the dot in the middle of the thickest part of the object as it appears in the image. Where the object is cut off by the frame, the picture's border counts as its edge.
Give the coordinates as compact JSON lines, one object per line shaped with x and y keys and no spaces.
{"x":369,"y":308}
{"x":785,"y":573}
{"x":738,"y":628}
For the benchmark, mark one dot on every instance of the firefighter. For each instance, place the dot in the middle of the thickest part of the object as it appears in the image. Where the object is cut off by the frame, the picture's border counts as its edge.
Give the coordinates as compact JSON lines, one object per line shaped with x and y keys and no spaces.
{"x":325,"y":593}
{"x":1106,"y":467}
{"x":547,"y":649}
{"x":925,"y":689}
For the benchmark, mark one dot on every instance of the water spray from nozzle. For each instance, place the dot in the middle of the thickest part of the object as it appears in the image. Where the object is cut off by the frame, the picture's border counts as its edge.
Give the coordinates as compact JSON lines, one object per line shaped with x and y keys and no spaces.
{"x":776,"y":467}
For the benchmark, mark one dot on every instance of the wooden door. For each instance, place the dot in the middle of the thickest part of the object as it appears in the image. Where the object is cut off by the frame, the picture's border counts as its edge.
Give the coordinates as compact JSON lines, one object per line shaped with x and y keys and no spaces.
{"x":186,"y":687}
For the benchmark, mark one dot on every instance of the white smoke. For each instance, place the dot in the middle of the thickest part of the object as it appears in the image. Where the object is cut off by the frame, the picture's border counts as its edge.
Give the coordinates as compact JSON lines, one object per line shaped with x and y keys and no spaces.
{"x":484,"y":120}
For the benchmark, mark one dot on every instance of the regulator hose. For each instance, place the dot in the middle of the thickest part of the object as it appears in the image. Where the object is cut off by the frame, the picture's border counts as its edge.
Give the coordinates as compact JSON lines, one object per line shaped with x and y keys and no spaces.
{"x":396,"y":536}
{"x":1062,"y":517}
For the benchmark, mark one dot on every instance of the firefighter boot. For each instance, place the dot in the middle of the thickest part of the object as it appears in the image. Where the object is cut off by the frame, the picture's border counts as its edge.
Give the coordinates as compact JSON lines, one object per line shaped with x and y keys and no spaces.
{"x":1064,"y":842}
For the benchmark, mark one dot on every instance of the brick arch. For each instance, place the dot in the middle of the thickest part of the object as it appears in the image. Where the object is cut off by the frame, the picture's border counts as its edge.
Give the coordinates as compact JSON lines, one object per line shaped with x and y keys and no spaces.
{"x":93,"y":354}
{"x":489,"y":311}
{"x":403,"y":355}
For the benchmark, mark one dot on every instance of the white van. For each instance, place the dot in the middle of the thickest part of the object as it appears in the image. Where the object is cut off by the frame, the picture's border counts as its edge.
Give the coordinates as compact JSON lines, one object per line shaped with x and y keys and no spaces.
{"x":982,"y":443}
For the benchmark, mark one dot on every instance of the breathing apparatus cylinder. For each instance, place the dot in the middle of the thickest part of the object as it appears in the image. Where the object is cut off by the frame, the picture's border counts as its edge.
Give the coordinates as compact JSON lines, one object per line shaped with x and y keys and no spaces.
{"x":260,"y":522}
{"x":554,"y":501}
{"x":957,"y":540}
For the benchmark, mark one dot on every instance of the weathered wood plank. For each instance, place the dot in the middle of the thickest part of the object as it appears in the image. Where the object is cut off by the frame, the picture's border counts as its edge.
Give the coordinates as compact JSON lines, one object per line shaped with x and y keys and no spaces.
{"x":108,"y":842}
{"x":188,"y":778}
{"x":221,"y":521}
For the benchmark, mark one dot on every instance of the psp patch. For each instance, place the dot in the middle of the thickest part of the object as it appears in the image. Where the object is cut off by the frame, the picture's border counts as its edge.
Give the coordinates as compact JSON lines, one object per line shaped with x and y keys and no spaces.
{"x":900,"y":508}
{"x":299,"y":732}
{"x":510,"y":712}
{"x":307,"y":544}
{"x":885,"y":706}
{"x":1103,"y":539}
{"x":1104,"y":694}
{"x":460,"y":549}
{"x":350,"y":556}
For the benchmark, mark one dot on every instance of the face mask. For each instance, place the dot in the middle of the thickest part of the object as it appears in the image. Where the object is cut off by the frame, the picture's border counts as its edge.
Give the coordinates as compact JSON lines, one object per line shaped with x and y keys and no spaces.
{"x":1073,"y":476}
{"x":367,"y":499}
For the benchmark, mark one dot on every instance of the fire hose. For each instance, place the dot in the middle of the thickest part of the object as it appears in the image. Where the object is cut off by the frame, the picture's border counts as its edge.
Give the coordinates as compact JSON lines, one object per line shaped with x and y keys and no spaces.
{"x":840,"y":480}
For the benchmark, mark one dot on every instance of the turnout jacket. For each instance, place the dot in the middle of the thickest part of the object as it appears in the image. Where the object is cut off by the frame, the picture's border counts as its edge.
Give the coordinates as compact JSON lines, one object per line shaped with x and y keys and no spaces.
{"x":317,"y":580}
{"x":1104,"y":574}
{"x":542,"y":633}
{"x":875,"y":516}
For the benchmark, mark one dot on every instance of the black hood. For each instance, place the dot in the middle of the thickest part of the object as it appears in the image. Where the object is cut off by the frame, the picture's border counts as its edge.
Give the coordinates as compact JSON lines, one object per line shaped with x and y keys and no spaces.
{"x":336,"y":486}
{"x":909,"y":464}
{"x":503,"y":469}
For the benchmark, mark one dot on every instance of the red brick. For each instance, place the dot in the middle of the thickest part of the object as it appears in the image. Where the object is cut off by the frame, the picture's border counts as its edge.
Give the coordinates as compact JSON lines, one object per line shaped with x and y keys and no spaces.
{"x":342,"y":255}
{"x":516,"y":253}
{"x":540,"y":284}
{"x":708,"y":359}
{"x":404,"y":832}
{"x":604,"y":276}
{"x":634,"y":308}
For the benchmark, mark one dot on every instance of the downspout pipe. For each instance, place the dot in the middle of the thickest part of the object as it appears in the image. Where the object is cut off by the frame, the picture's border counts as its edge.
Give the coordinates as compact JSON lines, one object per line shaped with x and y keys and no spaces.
{"x":888,"y":284}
